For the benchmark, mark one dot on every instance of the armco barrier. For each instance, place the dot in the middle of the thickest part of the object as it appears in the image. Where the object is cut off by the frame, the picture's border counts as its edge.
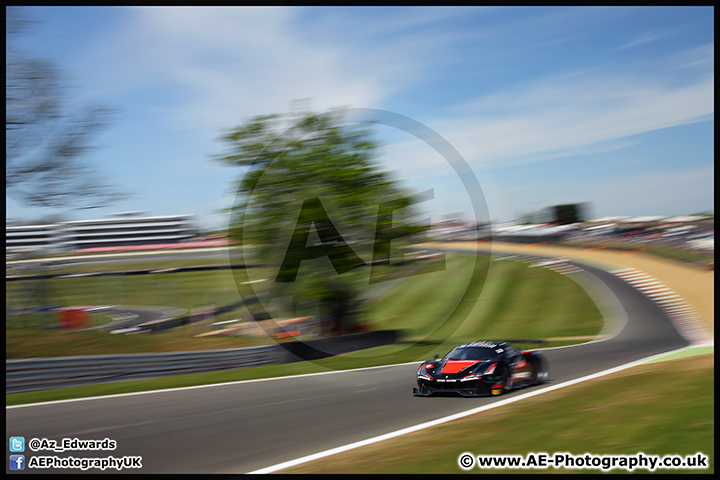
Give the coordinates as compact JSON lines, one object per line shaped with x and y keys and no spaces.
{"x":43,"y":373}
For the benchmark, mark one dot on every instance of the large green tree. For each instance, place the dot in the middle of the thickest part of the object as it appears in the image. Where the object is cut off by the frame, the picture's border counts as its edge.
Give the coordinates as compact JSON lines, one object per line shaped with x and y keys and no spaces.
{"x":316,"y":206}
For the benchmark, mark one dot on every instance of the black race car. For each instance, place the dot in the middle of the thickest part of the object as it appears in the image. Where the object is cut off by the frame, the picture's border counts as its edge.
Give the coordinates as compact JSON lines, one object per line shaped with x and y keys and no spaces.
{"x":481,"y":368}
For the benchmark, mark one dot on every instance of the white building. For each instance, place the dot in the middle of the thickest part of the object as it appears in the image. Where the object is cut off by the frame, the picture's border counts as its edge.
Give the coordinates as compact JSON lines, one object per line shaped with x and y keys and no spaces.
{"x":32,"y":237}
{"x":124,"y":229}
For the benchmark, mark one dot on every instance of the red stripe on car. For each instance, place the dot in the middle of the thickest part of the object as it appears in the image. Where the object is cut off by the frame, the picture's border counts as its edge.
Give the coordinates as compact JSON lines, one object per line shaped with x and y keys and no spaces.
{"x":455,"y":366}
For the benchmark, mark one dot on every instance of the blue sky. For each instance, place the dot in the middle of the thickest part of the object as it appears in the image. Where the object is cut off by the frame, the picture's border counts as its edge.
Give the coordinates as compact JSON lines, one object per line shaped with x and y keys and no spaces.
{"x":608,"y":106}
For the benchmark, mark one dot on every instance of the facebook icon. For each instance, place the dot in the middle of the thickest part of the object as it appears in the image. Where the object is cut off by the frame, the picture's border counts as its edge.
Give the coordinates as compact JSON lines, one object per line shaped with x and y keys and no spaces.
{"x":17,"y":462}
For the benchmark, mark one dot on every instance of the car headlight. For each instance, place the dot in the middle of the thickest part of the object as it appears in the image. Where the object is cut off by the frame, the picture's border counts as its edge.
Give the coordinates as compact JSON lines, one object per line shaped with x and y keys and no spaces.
{"x":423,"y":373}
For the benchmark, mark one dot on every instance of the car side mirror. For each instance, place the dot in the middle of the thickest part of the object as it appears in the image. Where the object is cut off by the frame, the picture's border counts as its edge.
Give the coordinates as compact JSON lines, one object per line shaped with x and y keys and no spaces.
{"x":436,"y":356}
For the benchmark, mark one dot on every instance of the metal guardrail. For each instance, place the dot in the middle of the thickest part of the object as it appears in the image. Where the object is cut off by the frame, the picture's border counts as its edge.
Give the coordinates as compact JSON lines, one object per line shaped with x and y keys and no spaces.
{"x":41,"y":373}
{"x":23,"y":375}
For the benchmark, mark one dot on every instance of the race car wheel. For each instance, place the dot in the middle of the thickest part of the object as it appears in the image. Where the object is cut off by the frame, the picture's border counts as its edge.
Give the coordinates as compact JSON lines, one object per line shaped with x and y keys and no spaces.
{"x":507,"y":382}
{"x":540,"y":373}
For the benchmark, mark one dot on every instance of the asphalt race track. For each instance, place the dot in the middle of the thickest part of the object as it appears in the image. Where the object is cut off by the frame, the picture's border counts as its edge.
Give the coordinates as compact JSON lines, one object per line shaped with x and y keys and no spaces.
{"x":247,"y":426}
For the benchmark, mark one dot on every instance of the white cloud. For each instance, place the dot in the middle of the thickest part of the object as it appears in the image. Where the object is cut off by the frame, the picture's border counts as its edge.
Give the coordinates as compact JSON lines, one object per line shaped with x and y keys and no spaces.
{"x":642,"y":41}
{"x":231,"y":63}
{"x":567,"y":116}
{"x":551,"y":119}
{"x":702,"y":56}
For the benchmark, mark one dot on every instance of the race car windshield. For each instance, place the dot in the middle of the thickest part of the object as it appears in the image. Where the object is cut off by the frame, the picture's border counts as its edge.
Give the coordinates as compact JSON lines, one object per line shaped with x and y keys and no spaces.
{"x":472,"y":353}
